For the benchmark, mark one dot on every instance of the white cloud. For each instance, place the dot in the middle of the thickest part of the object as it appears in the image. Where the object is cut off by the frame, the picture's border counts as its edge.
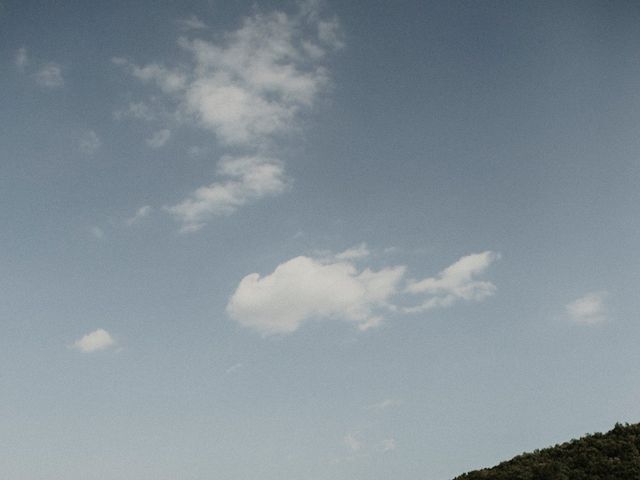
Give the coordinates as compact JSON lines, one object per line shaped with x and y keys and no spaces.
{"x":589,"y":309}
{"x":303,"y":288}
{"x":159,"y":138}
{"x":50,"y":76}
{"x":191,"y":23}
{"x":246,"y":179}
{"x":306,"y":288}
{"x":248,"y":87}
{"x":456,"y":282}
{"x":22,"y":59}
{"x":92,"y":342}
{"x":141,"y":213}
{"x":89,"y":143}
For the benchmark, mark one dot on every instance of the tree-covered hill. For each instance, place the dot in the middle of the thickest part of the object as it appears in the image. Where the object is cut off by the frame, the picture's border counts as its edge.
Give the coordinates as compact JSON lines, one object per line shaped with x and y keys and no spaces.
{"x":614,"y":455}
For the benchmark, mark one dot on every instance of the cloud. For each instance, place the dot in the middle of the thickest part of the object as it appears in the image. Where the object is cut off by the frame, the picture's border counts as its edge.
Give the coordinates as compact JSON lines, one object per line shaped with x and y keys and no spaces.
{"x":233,"y":368}
{"x":246,"y":179}
{"x":456,"y":282}
{"x":89,"y":143}
{"x":589,"y":309}
{"x":137,"y":110}
{"x":92,"y":342}
{"x":50,"y":76}
{"x":248,"y":87}
{"x":22,"y":59}
{"x":359,"y":251}
{"x":191,"y":23}
{"x":97,"y":233}
{"x":388,"y":445}
{"x":141,"y":213}
{"x":306,"y":288}
{"x":159,"y":138}
{"x":351,"y":442}
{"x":384,"y":404}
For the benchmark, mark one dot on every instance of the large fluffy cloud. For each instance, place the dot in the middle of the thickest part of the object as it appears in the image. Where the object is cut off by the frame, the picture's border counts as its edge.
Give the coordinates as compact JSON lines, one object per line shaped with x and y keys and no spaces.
{"x":306,"y":288}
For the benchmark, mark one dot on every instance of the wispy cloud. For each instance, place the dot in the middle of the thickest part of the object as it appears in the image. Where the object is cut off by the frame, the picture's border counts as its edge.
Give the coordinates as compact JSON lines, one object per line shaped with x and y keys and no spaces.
{"x":141,"y":213}
{"x":89,"y":143}
{"x":306,"y":288}
{"x":50,"y":76}
{"x":159,"y":138}
{"x":456,"y":282}
{"x":244,"y":179}
{"x":248,"y":88}
{"x":191,"y":22}
{"x":92,"y":342}
{"x":589,"y":309}
{"x":97,"y":233}
{"x":352,"y":442}
{"x":384,"y":404}
{"x":22,"y":59}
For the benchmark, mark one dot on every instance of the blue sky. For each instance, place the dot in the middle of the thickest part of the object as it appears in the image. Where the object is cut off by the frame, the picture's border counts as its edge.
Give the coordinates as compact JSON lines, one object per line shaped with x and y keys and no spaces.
{"x":314,"y":240}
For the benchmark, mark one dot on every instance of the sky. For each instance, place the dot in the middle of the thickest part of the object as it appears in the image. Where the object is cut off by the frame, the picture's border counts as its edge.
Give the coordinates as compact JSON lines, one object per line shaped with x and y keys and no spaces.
{"x":314,"y":240}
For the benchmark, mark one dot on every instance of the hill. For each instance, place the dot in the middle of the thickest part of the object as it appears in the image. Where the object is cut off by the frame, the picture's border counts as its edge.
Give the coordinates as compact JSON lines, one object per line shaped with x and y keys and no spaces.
{"x":614,"y":455}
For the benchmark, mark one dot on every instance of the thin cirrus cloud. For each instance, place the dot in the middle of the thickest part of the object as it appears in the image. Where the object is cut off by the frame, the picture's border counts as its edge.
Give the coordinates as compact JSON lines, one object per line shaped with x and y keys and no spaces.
{"x":97,"y":340}
{"x":589,"y":309}
{"x":248,"y":89}
{"x":306,"y":288}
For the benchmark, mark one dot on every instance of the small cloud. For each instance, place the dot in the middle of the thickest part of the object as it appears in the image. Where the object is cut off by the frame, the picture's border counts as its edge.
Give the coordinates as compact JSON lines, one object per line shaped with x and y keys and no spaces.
{"x":388,"y":445}
{"x":233,"y":368}
{"x":352,"y":443}
{"x":589,"y":309}
{"x":92,"y":342}
{"x":97,"y":233}
{"x":141,"y":213}
{"x":50,"y":76}
{"x":359,"y":251}
{"x":384,"y":404}
{"x":90,"y":143}
{"x":159,"y":138}
{"x":137,"y":110}
{"x":191,"y":23}
{"x":22,"y":59}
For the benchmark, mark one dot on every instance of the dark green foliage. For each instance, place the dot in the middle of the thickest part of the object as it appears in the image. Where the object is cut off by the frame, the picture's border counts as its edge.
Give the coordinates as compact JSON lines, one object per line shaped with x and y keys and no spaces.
{"x":614,"y":455}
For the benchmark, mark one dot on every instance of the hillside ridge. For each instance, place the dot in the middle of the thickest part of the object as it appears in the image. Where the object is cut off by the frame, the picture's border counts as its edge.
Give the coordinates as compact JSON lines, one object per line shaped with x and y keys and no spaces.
{"x":614,"y":455}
